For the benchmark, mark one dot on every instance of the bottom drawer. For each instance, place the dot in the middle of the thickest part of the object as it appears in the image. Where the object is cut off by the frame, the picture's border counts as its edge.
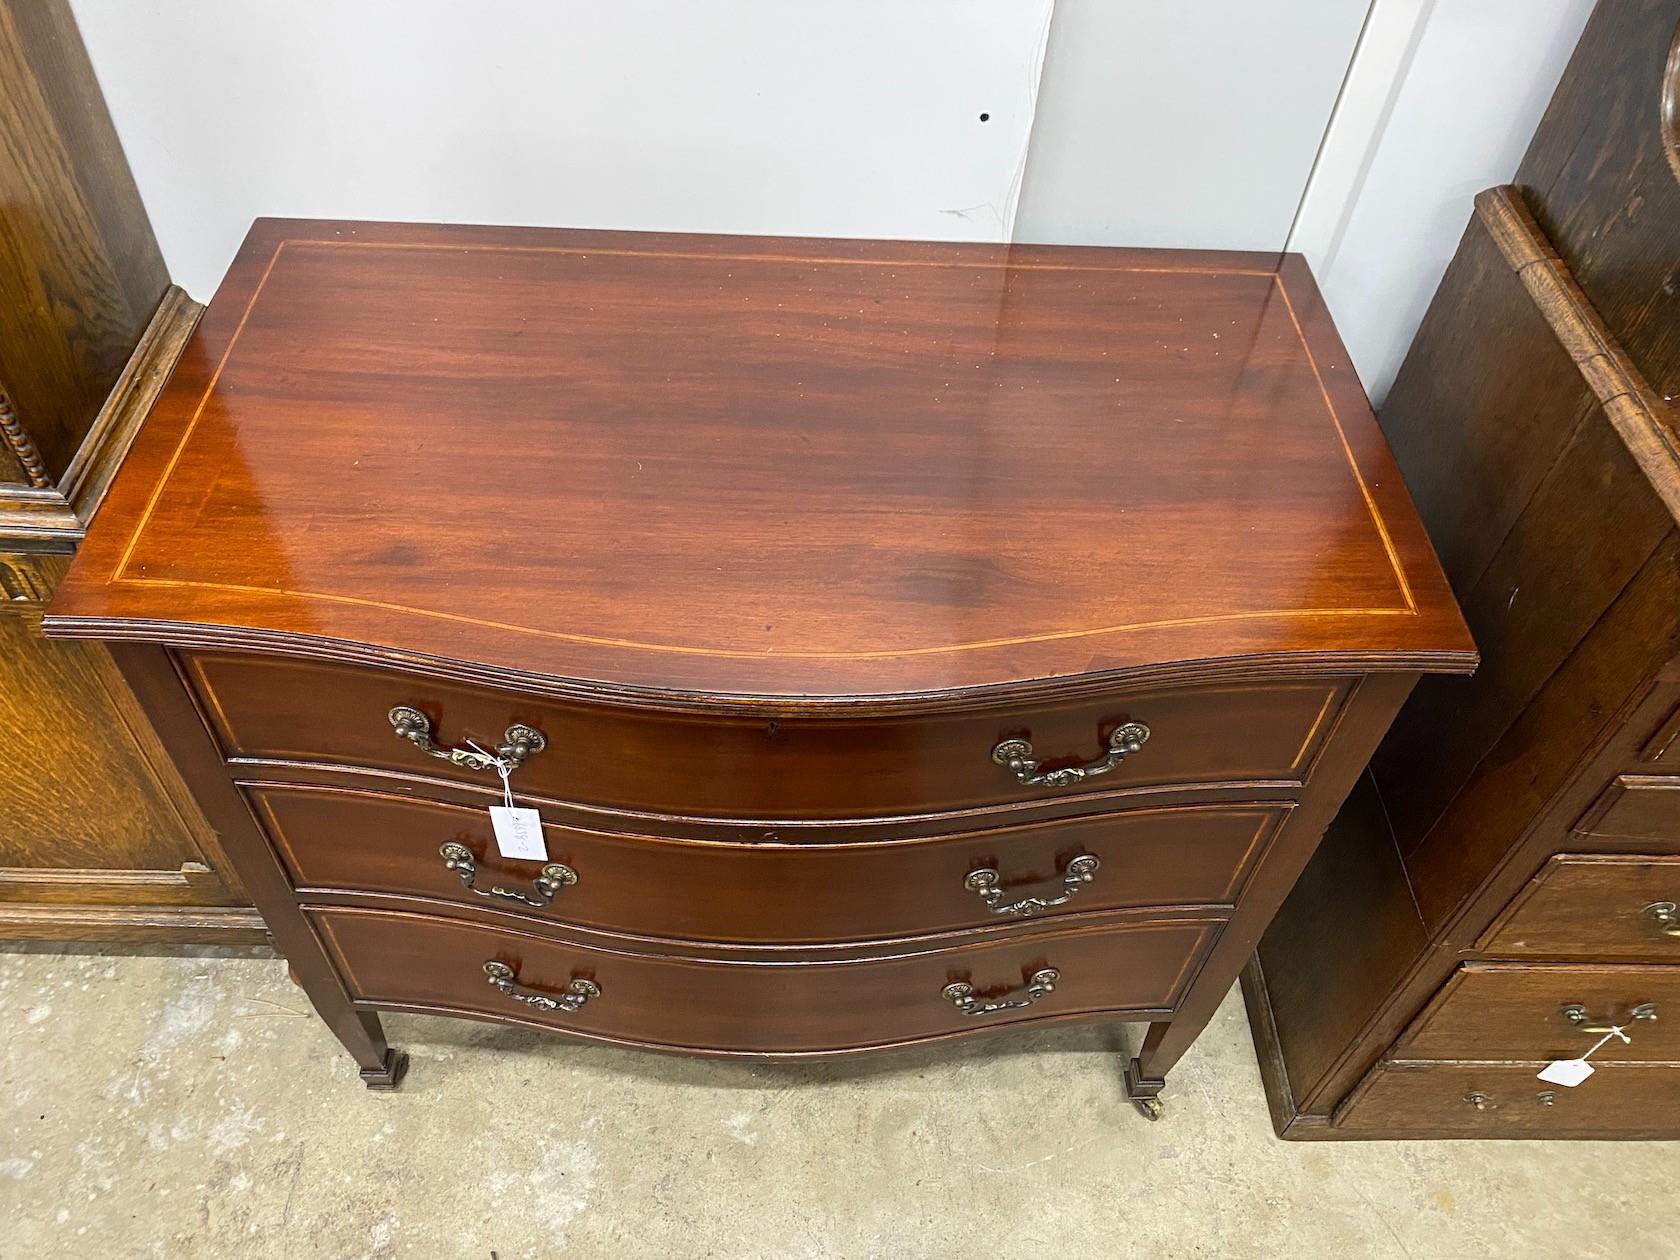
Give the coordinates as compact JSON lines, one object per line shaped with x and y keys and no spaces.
{"x":1507,"y":1100}
{"x":416,"y":961}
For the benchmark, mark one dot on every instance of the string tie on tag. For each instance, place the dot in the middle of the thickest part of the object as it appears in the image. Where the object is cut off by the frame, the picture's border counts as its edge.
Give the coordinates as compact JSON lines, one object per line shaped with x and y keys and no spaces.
{"x":503,"y":767}
{"x":1615,"y":1031}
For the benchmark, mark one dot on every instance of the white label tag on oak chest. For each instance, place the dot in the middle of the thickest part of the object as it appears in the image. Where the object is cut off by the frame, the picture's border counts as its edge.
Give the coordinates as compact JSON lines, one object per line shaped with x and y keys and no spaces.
{"x":1570,"y":1072}
{"x":519,"y":833}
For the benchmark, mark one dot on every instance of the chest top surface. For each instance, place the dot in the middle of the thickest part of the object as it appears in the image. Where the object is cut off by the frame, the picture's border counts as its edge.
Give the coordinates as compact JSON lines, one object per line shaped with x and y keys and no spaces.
{"x":763,"y":467}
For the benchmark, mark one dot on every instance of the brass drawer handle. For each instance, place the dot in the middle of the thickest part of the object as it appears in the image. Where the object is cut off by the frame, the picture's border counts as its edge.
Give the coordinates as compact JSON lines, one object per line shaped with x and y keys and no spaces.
{"x":555,"y":876}
{"x":1479,"y":1100}
{"x":1665,"y":916}
{"x":985,"y":883}
{"x":1016,"y":755}
{"x":1577,"y":1015}
{"x":578,"y":990}
{"x":521,"y":742}
{"x":961,"y":995}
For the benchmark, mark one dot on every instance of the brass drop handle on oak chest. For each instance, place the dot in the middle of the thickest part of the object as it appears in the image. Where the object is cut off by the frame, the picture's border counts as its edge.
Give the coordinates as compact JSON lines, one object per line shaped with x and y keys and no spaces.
{"x":1665,"y":915}
{"x":1040,"y":984}
{"x":1577,"y":1015}
{"x":554,"y":877}
{"x":578,"y":990}
{"x":986,"y":883}
{"x":520,"y":742}
{"x":1016,"y":755}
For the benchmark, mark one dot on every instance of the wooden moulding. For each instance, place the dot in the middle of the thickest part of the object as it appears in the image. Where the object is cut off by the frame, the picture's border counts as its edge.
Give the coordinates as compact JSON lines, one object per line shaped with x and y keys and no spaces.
{"x":1647,"y":424}
{"x":47,"y":518}
{"x":148,"y":925}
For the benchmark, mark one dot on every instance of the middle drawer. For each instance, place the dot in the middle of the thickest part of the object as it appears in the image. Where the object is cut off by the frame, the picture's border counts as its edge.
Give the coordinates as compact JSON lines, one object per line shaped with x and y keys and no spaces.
{"x":1522,"y":1012}
{"x":360,"y":840}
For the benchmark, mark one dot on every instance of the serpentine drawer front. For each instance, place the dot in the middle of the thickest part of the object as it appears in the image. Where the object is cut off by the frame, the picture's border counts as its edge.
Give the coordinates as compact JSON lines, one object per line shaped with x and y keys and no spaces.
{"x":377,"y":842}
{"x":774,"y":768}
{"x":896,"y":641}
{"x":768,"y":1008}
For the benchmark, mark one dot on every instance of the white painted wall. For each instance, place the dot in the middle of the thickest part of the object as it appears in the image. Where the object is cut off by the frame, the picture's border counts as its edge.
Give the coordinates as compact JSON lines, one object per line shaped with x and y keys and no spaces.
{"x":1191,"y":124}
{"x":859,"y":119}
{"x":1441,"y":102}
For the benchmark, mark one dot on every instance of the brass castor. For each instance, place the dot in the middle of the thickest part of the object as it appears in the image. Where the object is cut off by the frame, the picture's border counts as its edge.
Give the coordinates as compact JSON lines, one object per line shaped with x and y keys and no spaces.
{"x":1145,"y":1091}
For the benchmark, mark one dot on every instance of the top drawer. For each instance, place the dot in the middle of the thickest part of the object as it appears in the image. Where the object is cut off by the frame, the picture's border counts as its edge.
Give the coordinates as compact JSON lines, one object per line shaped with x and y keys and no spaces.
{"x":768,"y":767}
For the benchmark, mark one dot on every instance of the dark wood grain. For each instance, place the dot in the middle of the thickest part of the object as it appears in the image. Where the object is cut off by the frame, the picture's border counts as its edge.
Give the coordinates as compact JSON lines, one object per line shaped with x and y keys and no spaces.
{"x":1359,"y":727}
{"x":80,"y":273}
{"x":1644,"y":807}
{"x":774,"y":541}
{"x":776,"y":765}
{"x":153,"y":678}
{"x":1512,"y":1012}
{"x":1602,"y":179}
{"x":1410,"y":1100}
{"x":787,"y":893}
{"x":1353,"y":903}
{"x":1592,"y":905}
{"x":1560,"y":752}
{"x":412,"y":961}
{"x":1534,"y":420}
{"x":817,"y":468}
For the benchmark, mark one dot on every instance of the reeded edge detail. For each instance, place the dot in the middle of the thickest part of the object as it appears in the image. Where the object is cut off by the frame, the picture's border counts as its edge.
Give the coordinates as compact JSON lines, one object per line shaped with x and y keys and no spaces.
{"x":1267,"y":668}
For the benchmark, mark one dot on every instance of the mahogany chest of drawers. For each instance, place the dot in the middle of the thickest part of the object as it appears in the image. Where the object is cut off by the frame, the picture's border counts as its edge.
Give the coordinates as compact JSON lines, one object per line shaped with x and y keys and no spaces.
{"x":899,"y":641}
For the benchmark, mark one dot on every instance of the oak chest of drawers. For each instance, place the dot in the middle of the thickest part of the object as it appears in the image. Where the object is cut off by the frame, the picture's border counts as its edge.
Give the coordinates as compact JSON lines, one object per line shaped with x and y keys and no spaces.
{"x":1479,"y":912}
{"x":898,"y":641}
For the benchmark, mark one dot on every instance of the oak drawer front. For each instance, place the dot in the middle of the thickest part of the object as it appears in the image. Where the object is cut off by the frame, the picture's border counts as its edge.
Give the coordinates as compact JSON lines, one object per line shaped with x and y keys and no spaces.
{"x":1642,"y":807}
{"x":1523,"y":1013}
{"x":413,"y":960}
{"x":1486,"y":1100}
{"x":354,"y":840}
{"x":1594,"y":906}
{"x":768,"y":768}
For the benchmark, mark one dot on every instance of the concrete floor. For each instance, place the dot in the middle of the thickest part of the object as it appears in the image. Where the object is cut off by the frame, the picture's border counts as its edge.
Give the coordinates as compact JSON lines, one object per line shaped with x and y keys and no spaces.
{"x":192,"y":1106}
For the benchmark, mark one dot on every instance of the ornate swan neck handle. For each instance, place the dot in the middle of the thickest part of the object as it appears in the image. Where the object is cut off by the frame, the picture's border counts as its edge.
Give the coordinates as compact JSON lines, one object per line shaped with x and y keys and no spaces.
{"x":987,"y":884}
{"x":1040,"y":984}
{"x":1016,"y":756}
{"x":577,"y":992}
{"x":520,"y":742}
{"x":554,"y":877}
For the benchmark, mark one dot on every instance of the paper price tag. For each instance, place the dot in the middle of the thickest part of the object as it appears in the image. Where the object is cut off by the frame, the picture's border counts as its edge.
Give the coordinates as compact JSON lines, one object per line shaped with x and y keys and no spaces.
{"x":519,"y":833}
{"x":1570,"y":1072}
